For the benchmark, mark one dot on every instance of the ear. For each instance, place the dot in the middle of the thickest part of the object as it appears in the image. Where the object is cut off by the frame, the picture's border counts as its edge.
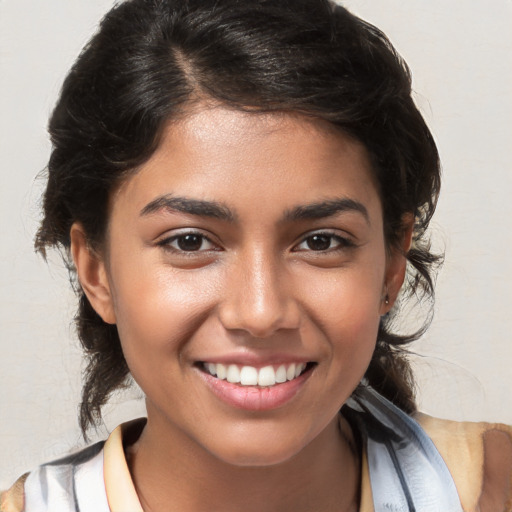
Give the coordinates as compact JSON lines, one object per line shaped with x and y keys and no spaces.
{"x":396,"y":265}
{"x":92,"y":274}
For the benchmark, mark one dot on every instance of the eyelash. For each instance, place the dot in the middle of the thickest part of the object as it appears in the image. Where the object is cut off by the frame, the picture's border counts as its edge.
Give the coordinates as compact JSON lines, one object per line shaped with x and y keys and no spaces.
{"x":166,"y":243}
{"x":343,"y":243}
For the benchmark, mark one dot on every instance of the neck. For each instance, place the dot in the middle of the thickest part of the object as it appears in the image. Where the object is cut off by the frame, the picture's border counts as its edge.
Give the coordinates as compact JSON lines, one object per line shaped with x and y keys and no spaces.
{"x":178,"y":475}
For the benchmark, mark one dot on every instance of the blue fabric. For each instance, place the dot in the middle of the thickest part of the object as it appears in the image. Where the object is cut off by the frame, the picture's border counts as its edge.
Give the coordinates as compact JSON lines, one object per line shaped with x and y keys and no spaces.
{"x":73,"y":484}
{"x":407,"y":473}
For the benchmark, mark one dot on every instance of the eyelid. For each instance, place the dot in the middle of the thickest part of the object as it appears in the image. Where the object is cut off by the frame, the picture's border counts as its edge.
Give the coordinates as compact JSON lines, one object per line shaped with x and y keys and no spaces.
{"x":166,"y":240}
{"x":345,"y":241}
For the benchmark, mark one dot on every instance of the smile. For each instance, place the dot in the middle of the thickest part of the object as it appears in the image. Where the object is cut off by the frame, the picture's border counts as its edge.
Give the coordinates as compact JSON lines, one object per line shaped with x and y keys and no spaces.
{"x":256,"y":388}
{"x":266,"y":376}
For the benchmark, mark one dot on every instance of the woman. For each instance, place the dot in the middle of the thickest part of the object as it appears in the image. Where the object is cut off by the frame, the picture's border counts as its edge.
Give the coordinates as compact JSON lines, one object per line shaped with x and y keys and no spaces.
{"x":242,"y":188}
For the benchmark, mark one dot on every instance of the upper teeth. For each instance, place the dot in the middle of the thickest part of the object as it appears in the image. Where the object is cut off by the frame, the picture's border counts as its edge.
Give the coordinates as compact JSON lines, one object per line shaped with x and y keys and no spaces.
{"x":251,"y":376}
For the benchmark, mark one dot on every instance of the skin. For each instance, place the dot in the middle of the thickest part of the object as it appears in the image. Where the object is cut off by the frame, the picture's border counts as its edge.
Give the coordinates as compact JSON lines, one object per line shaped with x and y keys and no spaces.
{"x":256,"y":287}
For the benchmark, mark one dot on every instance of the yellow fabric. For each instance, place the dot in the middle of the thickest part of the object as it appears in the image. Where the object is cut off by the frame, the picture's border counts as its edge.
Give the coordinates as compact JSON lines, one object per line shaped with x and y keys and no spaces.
{"x":366,"y":497}
{"x":121,"y":494}
{"x":13,"y":500}
{"x":463,"y":446}
{"x":460,"y":445}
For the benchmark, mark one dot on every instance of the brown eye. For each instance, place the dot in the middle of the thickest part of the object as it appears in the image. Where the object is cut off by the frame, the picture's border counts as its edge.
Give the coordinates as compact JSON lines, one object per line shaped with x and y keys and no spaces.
{"x":324,"y":242}
{"x":189,"y":242}
{"x":319,"y":242}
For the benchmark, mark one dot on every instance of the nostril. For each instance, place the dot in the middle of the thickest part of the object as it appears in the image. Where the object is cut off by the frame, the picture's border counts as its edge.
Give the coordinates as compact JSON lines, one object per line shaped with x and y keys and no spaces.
{"x":260,"y":321}
{"x":258,"y":298}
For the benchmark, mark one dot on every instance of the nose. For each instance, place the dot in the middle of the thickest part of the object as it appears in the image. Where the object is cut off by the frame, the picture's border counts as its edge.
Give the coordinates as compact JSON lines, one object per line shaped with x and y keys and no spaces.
{"x":258,"y":297}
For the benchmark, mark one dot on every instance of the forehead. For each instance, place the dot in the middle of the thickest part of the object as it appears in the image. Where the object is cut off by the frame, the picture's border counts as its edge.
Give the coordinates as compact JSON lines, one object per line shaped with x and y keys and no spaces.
{"x":235,"y":157}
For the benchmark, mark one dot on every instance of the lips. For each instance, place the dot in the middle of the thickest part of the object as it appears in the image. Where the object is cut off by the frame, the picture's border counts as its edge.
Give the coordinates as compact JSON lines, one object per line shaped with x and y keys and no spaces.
{"x":265,"y":376}
{"x":256,"y":388}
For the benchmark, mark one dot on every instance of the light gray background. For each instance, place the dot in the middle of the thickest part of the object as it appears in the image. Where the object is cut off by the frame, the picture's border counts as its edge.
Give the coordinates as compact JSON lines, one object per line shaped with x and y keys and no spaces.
{"x":459,"y":51}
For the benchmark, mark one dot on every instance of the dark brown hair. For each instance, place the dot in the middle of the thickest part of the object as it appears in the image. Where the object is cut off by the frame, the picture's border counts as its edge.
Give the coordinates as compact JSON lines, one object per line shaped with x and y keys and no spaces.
{"x":151,"y":58}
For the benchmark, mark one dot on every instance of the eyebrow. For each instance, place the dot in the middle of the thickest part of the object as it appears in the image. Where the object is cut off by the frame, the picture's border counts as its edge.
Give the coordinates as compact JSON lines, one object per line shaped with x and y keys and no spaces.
{"x":216,"y":210}
{"x":197,"y":207}
{"x":326,"y":208}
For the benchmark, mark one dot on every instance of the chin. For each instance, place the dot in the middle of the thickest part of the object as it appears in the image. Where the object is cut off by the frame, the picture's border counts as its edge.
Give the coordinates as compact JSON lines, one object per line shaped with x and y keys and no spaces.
{"x":258,"y":458}
{"x":261,"y":451}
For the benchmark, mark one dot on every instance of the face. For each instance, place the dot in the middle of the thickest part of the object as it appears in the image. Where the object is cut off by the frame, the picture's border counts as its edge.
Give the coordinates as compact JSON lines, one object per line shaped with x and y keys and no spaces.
{"x":249,"y":248}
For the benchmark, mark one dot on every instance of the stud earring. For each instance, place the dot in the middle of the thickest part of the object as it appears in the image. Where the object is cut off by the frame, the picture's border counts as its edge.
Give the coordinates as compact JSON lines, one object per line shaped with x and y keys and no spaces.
{"x":385,"y":298}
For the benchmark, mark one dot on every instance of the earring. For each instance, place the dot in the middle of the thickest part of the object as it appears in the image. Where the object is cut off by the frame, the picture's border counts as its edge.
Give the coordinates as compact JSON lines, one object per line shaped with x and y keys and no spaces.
{"x":386,"y":296}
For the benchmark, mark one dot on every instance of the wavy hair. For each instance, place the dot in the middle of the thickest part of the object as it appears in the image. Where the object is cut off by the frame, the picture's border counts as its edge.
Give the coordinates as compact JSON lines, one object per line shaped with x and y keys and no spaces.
{"x":151,"y":59}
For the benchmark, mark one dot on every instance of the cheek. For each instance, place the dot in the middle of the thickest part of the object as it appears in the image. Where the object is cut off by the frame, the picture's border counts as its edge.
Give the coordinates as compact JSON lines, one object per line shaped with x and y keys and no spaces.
{"x":346,"y":308}
{"x":157,"y":311}
{"x":351,"y":296}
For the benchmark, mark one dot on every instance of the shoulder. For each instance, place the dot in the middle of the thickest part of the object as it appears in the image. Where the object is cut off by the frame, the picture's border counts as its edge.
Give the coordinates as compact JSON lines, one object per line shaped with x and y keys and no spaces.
{"x":13,"y":500}
{"x":479,"y":457}
{"x":58,"y":485}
